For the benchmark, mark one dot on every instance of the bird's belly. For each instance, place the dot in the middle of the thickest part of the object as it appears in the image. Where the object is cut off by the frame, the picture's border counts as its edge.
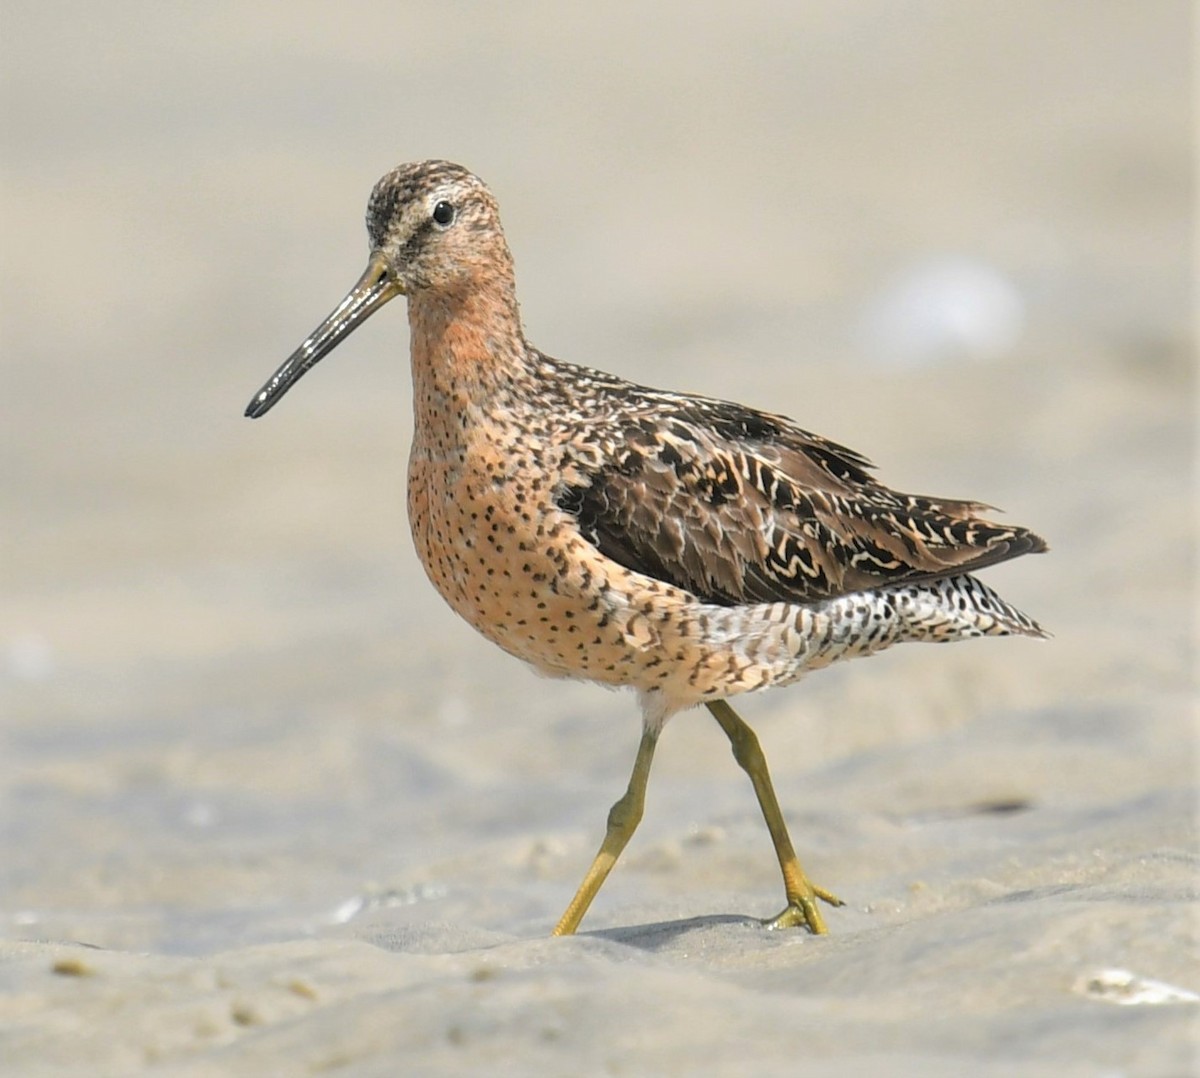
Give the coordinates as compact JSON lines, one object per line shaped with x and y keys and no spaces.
{"x":516,"y":569}
{"x":501,"y":564}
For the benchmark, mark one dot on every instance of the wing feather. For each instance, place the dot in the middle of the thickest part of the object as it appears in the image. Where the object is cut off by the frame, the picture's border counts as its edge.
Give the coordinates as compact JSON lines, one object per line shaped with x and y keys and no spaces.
{"x":740,"y":506}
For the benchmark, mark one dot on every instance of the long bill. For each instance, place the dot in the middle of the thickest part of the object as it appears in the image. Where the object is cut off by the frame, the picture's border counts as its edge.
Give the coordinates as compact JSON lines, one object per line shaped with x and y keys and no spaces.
{"x":374,"y":288}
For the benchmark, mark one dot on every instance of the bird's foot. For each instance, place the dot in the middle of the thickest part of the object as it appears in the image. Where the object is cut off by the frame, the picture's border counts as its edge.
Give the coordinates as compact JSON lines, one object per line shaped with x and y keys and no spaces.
{"x":802,"y":911}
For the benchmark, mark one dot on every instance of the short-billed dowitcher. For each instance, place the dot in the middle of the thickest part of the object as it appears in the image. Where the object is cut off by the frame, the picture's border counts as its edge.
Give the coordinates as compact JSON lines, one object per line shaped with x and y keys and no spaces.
{"x":689,"y":548}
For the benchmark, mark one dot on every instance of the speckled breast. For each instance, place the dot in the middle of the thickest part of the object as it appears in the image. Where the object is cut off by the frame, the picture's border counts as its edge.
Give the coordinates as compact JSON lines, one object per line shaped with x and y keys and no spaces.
{"x":509,"y":563}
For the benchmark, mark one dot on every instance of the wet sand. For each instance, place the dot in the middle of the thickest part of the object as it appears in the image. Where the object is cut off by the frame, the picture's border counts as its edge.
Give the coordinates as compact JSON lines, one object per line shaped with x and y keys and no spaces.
{"x":269,"y":808}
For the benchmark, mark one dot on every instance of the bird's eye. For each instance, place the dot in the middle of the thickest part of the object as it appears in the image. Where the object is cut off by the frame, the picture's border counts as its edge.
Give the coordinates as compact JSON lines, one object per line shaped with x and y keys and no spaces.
{"x":443,"y":213}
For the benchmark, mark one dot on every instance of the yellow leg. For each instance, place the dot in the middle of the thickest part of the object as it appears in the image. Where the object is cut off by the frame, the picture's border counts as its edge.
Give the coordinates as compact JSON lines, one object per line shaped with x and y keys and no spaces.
{"x":623,"y":819}
{"x":802,"y":896}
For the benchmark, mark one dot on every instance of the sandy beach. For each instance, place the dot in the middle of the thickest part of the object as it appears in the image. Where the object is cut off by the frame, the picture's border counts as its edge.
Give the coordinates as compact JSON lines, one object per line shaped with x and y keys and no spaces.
{"x":268,"y":808}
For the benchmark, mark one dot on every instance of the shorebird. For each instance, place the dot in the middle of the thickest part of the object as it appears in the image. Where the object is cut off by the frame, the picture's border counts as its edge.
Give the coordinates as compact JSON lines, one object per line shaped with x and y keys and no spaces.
{"x":686,"y":547}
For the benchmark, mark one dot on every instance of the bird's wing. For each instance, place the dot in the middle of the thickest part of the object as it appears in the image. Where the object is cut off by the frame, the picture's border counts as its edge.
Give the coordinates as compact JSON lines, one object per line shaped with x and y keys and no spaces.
{"x":738,"y":506}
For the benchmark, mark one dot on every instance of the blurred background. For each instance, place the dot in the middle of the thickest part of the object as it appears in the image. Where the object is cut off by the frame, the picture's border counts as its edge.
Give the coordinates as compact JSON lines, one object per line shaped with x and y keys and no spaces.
{"x":955,"y":236}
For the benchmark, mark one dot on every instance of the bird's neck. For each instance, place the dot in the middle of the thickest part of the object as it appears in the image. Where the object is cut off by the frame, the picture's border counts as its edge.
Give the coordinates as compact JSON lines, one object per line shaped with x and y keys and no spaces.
{"x":468,"y":349}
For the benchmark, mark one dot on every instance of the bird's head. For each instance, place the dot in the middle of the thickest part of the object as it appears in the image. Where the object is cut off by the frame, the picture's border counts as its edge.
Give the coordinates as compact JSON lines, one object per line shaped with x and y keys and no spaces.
{"x":433,"y":226}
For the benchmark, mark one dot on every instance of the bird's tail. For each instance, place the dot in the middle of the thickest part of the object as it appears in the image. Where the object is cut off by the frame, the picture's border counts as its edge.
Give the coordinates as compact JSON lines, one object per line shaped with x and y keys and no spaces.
{"x":956,"y":607}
